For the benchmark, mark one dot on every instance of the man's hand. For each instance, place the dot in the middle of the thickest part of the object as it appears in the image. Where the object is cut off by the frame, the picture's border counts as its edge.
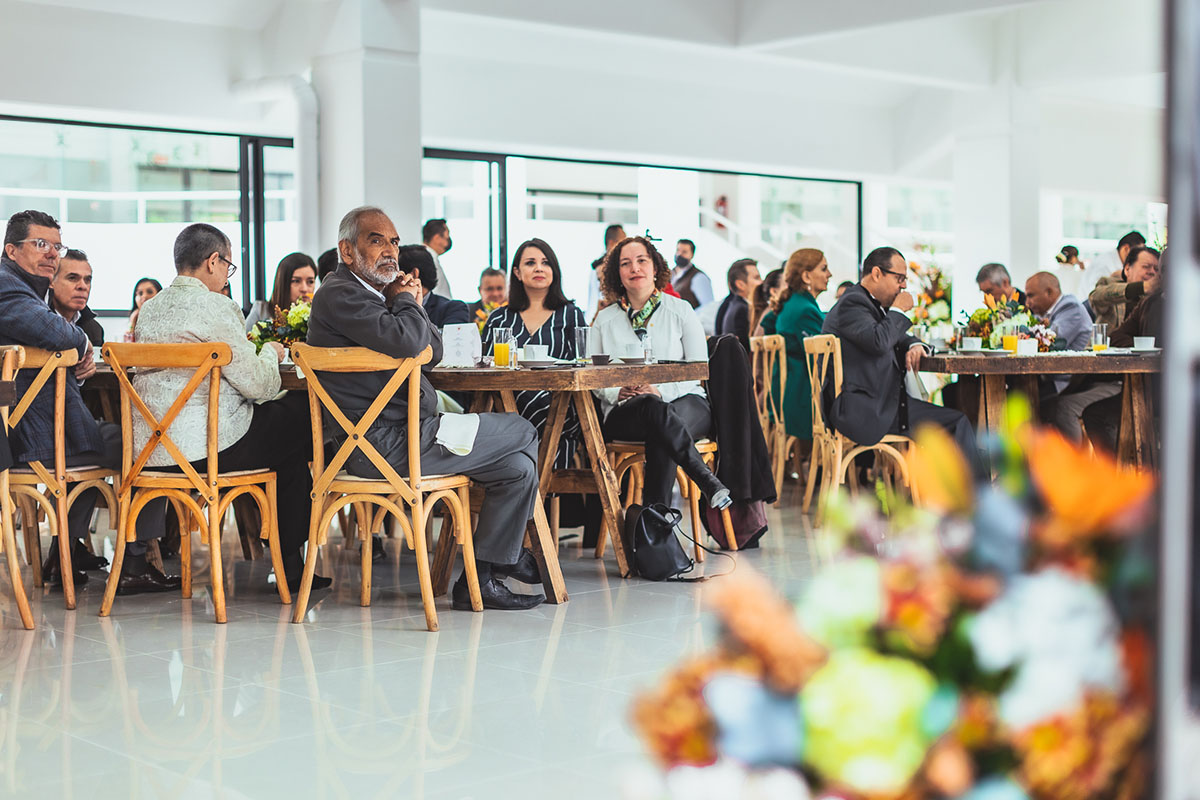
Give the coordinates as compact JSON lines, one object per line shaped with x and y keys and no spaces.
{"x":1150,"y":286}
{"x":903,"y":302}
{"x":86,"y":366}
{"x":406,"y":282}
{"x":279,"y":351}
{"x":633,"y":391}
{"x":912,"y":359}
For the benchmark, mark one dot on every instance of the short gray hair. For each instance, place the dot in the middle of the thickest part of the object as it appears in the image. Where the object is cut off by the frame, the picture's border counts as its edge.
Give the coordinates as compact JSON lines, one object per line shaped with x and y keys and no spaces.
{"x":992,"y":273}
{"x":348,"y":227}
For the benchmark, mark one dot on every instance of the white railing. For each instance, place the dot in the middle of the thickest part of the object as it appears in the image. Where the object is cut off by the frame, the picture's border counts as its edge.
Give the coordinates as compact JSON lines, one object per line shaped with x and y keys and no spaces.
{"x":62,"y":198}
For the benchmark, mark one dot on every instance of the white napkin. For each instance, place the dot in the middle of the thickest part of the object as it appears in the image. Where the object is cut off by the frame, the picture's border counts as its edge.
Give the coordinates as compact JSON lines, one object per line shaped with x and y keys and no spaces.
{"x":456,"y":432}
{"x":461,"y":345}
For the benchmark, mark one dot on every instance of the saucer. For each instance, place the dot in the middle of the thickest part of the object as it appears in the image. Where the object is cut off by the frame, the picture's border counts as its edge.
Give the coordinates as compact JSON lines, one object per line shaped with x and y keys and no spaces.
{"x":638,"y":360}
{"x":550,"y":362}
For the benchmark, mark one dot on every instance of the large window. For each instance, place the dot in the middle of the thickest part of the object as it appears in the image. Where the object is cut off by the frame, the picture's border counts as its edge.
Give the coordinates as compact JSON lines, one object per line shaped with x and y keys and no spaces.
{"x":123,"y":194}
{"x":494,"y":202}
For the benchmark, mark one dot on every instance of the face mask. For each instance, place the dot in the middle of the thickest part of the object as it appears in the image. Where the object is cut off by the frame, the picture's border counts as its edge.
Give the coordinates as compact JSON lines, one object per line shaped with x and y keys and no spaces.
{"x":680,"y":261}
{"x":449,"y":244}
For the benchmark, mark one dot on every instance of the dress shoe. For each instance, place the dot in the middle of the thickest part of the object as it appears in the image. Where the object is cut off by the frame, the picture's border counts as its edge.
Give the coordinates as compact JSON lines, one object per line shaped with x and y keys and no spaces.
{"x":318,"y":582}
{"x":52,"y":568}
{"x":82,"y":558}
{"x":712,"y":488}
{"x":378,"y":553}
{"x":525,"y":570}
{"x":495,"y":595}
{"x":139,"y":576}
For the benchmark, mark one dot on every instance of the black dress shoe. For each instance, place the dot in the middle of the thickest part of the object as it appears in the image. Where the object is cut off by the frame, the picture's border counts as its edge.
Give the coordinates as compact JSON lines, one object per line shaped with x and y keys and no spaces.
{"x":525,"y":570}
{"x":378,"y":553}
{"x":145,"y":578}
{"x":82,"y":558}
{"x":318,"y":582}
{"x":52,"y":568}
{"x":495,"y":595}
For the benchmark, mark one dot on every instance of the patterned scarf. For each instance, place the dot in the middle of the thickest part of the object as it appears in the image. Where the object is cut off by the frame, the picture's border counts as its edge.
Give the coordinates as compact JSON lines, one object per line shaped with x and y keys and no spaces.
{"x":638,"y":319}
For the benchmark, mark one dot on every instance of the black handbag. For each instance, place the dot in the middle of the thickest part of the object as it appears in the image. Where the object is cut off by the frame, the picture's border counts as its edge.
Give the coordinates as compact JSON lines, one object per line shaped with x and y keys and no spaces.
{"x":656,"y":551}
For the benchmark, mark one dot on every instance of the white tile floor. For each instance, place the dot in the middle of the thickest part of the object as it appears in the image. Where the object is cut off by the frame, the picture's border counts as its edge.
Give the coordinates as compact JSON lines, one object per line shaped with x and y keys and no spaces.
{"x":158,"y":702}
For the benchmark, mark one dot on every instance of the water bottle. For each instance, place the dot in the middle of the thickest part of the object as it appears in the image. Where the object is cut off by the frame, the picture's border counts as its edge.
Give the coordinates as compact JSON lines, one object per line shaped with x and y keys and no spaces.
{"x":647,"y":345}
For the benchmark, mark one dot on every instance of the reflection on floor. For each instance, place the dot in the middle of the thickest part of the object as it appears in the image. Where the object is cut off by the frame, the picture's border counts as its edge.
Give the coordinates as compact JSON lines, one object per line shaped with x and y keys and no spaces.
{"x":159,"y":702}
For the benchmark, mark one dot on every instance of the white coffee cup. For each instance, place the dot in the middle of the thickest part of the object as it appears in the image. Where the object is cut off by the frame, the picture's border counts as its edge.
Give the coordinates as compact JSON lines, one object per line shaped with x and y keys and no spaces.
{"x":1143,"y":343}
{"x":1027,"y":347}
{"x":537,"y":352}
{"x":972,"y":343}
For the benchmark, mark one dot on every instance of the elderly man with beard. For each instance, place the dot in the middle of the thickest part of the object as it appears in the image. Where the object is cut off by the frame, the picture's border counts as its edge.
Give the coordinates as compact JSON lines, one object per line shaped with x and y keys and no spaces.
{"x":368,"y":302}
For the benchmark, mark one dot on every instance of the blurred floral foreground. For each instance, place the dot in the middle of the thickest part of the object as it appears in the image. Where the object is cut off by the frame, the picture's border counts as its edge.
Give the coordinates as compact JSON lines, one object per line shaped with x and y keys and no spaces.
{"x":991,"y":645}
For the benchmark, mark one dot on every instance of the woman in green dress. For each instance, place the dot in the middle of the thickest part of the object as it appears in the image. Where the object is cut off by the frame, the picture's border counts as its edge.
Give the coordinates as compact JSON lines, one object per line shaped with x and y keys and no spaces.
{"x":797,"y":316}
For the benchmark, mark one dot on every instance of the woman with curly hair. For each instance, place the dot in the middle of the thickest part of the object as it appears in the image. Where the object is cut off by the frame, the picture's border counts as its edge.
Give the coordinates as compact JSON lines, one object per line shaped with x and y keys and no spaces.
{"x":668,"y":417}
{"x":805,"y":276}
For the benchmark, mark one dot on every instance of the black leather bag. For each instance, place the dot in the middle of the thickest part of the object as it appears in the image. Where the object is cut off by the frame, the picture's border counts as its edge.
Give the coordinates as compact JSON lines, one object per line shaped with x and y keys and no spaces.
{"x":657,"y":554}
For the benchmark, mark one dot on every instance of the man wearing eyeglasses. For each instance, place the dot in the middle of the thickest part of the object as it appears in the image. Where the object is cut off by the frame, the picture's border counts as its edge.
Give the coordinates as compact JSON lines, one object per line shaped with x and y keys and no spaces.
{"x":32,"y":249}
{"x":877,"y":350}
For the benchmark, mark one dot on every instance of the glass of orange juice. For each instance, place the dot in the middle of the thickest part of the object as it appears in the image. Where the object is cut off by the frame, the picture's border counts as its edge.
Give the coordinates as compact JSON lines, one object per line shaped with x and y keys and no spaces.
{"x":1099,"y":336}
{"x":502,"y":347}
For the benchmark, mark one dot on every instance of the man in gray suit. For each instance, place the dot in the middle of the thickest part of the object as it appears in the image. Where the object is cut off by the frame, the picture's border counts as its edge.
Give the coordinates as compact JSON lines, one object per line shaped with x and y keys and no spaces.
{"x":1066,"y":315}
{"x":876,"y":352}
{"x":368,"y":302}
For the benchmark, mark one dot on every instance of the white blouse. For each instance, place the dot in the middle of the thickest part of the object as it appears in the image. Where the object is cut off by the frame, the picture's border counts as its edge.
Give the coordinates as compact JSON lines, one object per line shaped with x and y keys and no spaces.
{"x":675,"y":335}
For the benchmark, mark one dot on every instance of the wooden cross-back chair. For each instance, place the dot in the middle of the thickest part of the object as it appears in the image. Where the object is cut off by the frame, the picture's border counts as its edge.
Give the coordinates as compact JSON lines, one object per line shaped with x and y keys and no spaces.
{"x":63,"y":485}
{"x":834,"y":452}
{"x":769,"y":361}
{"x":216,"y":490}
{"x":11,"y":359}
{"x":408,"y":499}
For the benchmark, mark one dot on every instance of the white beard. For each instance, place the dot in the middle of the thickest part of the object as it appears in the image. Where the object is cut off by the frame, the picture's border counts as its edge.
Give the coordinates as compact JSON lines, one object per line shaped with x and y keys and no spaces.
{"x":382,"y":272}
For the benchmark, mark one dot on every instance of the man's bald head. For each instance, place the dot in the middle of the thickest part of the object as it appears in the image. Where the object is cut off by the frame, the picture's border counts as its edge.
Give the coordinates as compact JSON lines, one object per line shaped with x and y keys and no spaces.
{"x":1042,"y":291}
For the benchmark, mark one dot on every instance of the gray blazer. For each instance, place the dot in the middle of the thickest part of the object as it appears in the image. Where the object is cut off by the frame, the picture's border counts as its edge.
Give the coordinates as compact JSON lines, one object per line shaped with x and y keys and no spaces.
{"x":345,"y":313}
{"x":1072,"y":323}
{"x":874,"y":342}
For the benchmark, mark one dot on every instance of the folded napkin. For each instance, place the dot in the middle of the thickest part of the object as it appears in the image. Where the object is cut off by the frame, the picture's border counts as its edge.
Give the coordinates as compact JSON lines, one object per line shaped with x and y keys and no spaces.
{"x":456,"y":432}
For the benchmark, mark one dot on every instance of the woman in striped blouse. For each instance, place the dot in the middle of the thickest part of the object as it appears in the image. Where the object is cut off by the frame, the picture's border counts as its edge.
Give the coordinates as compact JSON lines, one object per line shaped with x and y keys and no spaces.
{"x":539,"y":313}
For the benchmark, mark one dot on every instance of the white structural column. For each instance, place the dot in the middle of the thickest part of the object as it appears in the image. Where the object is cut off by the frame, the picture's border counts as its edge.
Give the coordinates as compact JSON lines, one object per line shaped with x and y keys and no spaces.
{"x":996,"y":179}
{"x":367,"y":77}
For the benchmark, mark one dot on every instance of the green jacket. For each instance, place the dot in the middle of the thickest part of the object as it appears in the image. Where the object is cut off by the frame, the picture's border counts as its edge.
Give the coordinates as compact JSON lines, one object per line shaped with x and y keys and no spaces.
{"x":799,"y":317}
{"x":1111,"y":297}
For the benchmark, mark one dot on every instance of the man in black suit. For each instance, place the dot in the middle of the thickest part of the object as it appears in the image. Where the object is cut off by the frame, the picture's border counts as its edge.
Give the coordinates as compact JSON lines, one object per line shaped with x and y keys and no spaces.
{"x":994,"y":279}
{"x":876,"y":351}
{"x":416,"y":260}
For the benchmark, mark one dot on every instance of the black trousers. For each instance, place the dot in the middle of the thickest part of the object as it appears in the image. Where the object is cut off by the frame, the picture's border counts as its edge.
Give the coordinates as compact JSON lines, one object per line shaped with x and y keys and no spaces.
{"x":670,"y":431}
{"x":920,"y":412}
{"x":279,"y":438}
{"x":151,"y":522}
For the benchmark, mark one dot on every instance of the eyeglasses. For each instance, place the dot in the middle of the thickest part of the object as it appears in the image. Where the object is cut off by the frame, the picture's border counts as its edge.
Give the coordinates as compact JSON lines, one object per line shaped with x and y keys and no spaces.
{"x":903,"y":276}
{"x":45,"y":247}
{"x":232,"y":266}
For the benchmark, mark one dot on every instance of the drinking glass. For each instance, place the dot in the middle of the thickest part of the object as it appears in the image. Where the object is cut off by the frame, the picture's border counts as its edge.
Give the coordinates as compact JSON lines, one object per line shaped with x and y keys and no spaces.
{"x":960,"y":332}
{"x":1100,"y":336}
{"x":502,"y":347}
{"x":583,"y":344}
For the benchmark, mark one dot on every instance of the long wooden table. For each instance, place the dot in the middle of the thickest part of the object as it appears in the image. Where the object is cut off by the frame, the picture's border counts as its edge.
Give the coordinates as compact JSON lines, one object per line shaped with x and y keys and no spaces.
{"x":1137,"y":442}
{"x":568,"y":385}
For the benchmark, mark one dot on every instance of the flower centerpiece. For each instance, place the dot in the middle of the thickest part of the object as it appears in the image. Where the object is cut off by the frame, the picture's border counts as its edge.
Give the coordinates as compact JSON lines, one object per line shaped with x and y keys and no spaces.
{"x":484,"y":311}
{"x":992,"y":644}
{"x":933,"y":299}
{"x":997,"y":317}
{"x":285,"y":327}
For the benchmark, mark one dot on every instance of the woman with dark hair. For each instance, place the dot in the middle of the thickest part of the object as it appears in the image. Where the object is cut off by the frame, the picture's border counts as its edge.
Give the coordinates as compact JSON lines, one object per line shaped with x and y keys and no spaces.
{"x":295,"y":278}
{"x":798,"y":316}
{"x":762,"y":316}
{"x":143,"y":290}
{"x":668,"y":417}
{"x":538,"y":313}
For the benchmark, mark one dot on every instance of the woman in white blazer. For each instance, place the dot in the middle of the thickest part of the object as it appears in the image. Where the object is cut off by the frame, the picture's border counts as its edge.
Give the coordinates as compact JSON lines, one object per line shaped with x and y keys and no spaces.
{"x":668,"y":417}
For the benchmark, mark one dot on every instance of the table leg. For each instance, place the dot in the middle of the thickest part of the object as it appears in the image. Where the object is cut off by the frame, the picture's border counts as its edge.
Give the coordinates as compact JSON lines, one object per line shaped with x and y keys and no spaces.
{"x":991,"y":403}
{"x":606,"y":479}
{"x":1135,"y":442}
{"x":538,"y":530}
{"x":1028,"y":386}
{"x":548,"y":449}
